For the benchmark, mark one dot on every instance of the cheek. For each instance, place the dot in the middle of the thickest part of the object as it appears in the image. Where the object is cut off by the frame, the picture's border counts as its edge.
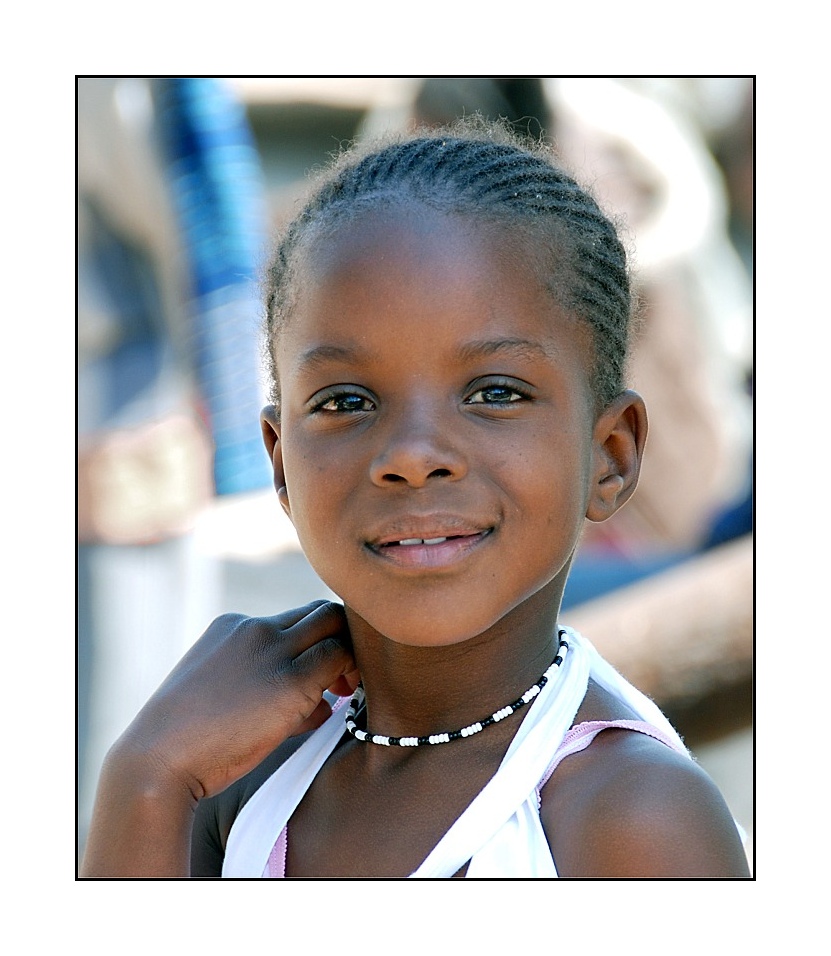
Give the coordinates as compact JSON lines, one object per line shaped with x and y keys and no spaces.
{"x":555,"y":490}
{"x":315,"y":486}
{"x":306,"y":484}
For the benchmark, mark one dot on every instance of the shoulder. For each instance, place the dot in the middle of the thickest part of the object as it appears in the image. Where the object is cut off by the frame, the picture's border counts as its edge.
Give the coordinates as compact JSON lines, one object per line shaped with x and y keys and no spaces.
{"x":628,"y":806}
{"x":215,"y":816}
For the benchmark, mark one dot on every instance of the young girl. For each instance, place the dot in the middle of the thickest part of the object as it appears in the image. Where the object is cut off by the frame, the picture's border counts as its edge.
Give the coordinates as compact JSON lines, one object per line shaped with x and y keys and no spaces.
{"x":447,"y":322}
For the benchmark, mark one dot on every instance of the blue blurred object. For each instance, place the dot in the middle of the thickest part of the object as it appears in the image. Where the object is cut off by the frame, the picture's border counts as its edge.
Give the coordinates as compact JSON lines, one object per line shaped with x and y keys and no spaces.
{"x":595,"y":576}
{"x":733,"y":521}
{"x":124,"y":280}
{"x":217,"y":192}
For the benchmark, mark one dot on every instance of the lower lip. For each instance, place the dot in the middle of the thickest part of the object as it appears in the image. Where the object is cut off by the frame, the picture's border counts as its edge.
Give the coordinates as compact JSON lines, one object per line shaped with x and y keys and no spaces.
{"x":430,"y":556}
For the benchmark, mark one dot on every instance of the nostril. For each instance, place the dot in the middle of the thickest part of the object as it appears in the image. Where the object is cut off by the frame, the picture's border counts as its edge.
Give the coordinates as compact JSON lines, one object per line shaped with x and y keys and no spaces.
{"x":435,"y":473}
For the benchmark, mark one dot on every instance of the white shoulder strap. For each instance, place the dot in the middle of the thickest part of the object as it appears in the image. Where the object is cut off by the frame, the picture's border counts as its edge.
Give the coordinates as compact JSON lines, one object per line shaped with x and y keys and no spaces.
{"x":526,"y":760}
{"x":261,"y":820}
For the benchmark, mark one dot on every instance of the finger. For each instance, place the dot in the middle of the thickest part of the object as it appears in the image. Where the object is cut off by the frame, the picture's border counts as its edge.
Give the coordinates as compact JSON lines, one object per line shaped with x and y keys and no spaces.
{"x":345,"y":685}
{"x":321,"y":665}
{"x":287,"y":619}
{"x":326,"y":620}
{"x":317,"y":718}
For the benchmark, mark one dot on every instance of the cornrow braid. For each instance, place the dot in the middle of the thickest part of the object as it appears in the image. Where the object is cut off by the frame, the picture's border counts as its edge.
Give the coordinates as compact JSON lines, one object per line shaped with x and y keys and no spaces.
{"x":479,"y":169}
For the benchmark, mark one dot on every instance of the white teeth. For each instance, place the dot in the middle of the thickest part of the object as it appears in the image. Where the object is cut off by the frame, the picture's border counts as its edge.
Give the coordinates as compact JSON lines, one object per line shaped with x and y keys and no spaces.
{"x":409,"y":541}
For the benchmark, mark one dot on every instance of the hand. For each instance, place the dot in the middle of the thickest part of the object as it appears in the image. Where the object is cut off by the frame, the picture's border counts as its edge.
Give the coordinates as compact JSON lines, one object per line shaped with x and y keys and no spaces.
{"x":244,"y":687}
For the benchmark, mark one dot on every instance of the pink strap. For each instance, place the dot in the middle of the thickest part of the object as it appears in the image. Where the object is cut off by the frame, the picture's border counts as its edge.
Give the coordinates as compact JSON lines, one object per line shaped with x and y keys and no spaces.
{"x":276,"y":867}
{"x":581,"y":735}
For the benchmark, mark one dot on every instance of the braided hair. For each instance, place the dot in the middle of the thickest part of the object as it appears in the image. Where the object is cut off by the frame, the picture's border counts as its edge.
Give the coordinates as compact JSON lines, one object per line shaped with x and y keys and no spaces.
{"x":479,"y":169}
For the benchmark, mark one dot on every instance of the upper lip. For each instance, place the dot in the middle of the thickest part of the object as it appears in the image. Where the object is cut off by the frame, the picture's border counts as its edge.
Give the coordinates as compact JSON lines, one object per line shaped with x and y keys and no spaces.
{"x":427,"y":526}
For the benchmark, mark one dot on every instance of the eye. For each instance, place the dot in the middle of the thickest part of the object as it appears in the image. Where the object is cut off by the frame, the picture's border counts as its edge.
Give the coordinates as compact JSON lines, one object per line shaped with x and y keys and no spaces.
{"x":343,"y":403}
{"x":497,"y":394}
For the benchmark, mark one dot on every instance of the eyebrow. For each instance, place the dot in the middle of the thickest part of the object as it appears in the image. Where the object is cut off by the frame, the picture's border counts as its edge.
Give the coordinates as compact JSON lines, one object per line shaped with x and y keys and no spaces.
{"x":519,"y":348}
{"x":320,"y":355}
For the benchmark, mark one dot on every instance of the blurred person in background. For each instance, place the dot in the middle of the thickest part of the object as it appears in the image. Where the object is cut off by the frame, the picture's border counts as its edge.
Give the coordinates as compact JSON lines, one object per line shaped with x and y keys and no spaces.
{"x":171,"y":226}
{"x":645,"y":151}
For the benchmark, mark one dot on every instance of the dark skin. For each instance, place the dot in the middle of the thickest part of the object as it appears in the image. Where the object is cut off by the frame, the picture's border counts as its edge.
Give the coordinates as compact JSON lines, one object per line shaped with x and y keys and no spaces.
{"x":438,"y":449}
{"x":652,"y":814}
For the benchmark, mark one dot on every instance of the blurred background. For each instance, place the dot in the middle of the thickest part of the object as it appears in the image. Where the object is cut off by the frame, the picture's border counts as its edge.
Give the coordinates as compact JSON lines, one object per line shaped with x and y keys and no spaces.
{"x":181,"y":183}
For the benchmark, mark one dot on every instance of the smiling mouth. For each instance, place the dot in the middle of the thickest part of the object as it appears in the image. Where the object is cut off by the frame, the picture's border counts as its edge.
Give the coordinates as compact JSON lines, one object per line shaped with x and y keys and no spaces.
{"x":409,"y":542}
{"x":432,"y":552}
{"x":429,"y":541}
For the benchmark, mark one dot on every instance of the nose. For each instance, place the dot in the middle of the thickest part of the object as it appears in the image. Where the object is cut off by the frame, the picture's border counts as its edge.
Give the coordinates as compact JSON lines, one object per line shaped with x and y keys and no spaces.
{"x":417,"y":447}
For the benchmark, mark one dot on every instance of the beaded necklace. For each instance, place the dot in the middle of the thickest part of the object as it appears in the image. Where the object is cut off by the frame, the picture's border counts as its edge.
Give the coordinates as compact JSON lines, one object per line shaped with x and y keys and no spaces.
{"x":357,"y":702}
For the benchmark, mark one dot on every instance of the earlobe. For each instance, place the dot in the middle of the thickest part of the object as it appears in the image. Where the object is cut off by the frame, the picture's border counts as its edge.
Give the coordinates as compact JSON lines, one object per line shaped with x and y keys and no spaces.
{"x":619,"y":438}
{"x":270,"y":424}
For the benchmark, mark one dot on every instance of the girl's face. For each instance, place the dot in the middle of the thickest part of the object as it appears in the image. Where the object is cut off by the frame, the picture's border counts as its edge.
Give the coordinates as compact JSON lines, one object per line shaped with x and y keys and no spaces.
{"x":436,"y":424}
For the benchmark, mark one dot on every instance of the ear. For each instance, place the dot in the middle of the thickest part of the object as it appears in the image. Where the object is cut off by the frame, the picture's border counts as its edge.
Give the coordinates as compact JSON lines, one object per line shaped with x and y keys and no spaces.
{"x":270,"y":424}
{"x":619,"y":439}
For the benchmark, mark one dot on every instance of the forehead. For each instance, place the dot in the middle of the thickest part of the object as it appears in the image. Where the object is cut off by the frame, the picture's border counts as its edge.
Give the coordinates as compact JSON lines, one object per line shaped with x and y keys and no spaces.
{"x":410,"y":273}
{"x":406,"y":236}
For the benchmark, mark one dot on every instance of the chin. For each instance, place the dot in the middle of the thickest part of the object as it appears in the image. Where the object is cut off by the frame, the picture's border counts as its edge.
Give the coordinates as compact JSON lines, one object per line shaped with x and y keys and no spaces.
{"x":426,"y":626}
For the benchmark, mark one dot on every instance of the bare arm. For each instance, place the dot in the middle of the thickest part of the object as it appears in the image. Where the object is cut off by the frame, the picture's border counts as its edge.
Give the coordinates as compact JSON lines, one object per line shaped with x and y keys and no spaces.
{"x":246,"y":686}
{"x":629,"y":807}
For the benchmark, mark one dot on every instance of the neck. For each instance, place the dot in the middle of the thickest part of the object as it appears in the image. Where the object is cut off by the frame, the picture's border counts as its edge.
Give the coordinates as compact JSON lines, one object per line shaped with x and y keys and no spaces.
{"x":416,"y":690}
